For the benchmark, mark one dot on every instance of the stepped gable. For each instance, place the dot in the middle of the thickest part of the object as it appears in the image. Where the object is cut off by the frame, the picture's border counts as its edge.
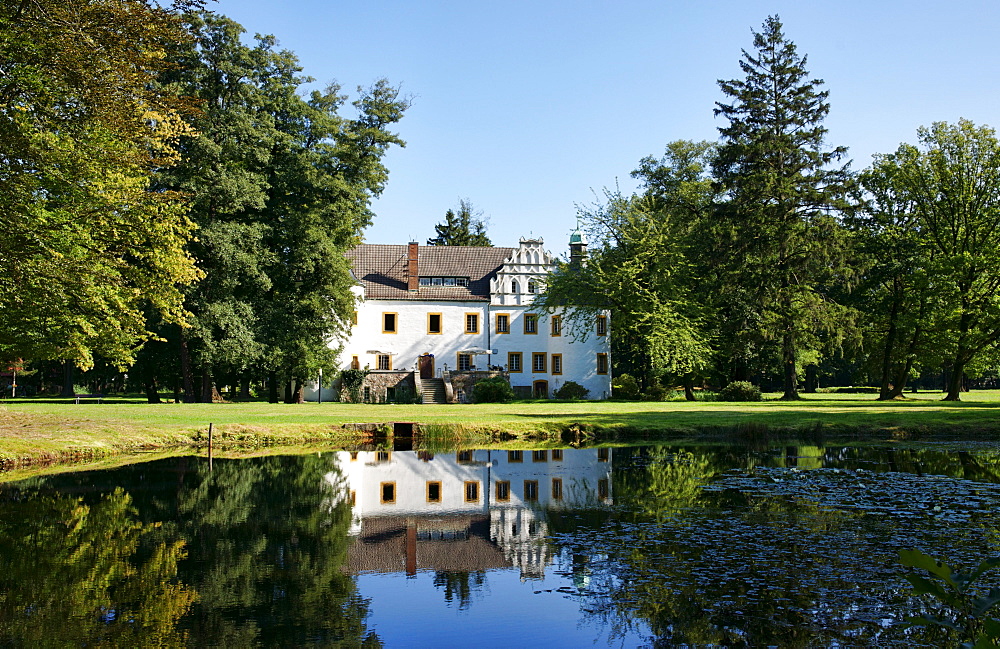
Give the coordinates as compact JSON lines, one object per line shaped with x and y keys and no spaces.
{"x":382,"y":270}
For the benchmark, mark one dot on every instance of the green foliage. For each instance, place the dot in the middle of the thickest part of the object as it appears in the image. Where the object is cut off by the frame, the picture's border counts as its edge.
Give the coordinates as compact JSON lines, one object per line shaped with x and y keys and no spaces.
{"x":76,"y":562}
{"x":656,"y":392}
{"x":639,"y":267}
{"x":570,"y":391}
{"x":467,"y":228}
{"x":780,"y":248}
{"x":739,"y":391}
{"x":952,"y":185}
{"x":624,"y":386}
{"x":968,"y":609}
{"x":495,"y":389}
{"x":86,"y":244}
{"x":351,"y":381}
{"x":281,"y":186}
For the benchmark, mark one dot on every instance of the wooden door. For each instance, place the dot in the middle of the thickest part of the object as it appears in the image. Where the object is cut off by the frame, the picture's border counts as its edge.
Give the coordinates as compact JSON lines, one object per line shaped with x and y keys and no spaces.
{"x":427,"y":366}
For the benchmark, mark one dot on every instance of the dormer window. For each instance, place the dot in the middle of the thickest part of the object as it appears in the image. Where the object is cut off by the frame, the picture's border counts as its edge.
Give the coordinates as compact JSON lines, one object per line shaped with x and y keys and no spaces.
{"x":444,"y":281}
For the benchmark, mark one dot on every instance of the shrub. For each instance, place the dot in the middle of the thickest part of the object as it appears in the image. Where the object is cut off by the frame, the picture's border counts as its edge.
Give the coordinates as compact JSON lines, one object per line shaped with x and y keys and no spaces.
{"x":571,"y":390}
{"x":495,"y":389}
{"x":351,"y":382}
{"x":656,"y":392}
{"x":625,"y":387}
{"x":739,"y":391}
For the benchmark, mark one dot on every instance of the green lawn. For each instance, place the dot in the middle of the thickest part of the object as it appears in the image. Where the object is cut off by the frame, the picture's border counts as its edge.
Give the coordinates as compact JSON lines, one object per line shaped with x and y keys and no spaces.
{"x":47,"y":429}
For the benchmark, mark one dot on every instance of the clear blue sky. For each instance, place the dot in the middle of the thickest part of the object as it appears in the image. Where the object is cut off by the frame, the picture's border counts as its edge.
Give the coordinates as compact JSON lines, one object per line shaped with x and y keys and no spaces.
{"x":527,"y":108}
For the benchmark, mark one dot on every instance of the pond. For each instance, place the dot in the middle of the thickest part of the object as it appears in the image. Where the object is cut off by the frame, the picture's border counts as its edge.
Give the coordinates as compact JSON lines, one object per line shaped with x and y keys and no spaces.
{"x":625,"y":547}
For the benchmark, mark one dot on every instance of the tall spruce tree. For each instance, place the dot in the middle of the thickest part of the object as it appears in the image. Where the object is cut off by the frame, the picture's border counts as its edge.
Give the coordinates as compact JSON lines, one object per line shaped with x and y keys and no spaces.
{"x":466,"y":228}
{"x":784,"y":248}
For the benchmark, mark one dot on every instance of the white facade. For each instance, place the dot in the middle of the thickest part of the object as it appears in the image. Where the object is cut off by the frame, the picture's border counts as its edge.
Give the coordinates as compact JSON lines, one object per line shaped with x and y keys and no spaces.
{"x":493,"y":318}
{"x":511,"y":490}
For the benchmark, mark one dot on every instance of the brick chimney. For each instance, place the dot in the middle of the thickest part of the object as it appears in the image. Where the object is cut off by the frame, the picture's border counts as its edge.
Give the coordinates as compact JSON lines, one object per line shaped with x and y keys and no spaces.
{"x":412,"y":269}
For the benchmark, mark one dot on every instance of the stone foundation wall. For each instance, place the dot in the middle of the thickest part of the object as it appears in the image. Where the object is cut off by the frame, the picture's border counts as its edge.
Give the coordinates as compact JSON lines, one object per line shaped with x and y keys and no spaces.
{"x":383,"y":387}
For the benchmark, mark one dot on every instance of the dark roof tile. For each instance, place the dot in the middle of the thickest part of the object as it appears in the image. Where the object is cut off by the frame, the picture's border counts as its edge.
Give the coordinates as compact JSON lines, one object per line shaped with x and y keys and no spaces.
{"x":382,"y":270}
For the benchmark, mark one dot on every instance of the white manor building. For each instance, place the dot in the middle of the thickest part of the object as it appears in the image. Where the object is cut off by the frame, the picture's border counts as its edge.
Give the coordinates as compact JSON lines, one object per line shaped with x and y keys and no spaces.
{"x":435,"y":319}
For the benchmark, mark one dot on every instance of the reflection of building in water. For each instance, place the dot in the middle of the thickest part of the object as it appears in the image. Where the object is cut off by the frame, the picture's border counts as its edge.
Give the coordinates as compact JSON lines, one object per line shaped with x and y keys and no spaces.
{"x":465,"y":510}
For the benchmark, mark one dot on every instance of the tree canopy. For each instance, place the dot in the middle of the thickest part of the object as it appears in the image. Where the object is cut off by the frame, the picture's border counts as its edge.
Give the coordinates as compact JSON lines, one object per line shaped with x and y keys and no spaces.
{"x":782,"y":182}
{"x":464,"y":228}
{"x":87,"y":245}
{"x":280,"y":186}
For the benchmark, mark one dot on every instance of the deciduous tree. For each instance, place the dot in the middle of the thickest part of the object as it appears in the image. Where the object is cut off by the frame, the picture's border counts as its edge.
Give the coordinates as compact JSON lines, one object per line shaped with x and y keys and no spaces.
{"x":639,"y":266}
{"x":953,"y":183}
{"x":281,"y":186}
{"x":85,"y":243}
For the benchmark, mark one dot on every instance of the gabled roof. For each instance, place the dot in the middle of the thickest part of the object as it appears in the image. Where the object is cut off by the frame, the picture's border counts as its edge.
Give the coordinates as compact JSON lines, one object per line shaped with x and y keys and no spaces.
{"x":382,"y":270}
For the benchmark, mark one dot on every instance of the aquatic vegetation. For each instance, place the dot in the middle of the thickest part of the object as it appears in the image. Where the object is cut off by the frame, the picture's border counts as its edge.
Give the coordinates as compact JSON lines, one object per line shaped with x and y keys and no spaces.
{"x":967,"y":609}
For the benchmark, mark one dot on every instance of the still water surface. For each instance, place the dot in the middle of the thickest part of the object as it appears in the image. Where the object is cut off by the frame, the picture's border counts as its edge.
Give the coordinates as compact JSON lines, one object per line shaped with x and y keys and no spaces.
{"x":624,"y":547}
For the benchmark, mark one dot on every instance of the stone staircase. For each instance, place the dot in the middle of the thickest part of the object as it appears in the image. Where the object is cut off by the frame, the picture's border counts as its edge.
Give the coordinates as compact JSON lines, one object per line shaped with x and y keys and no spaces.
{"x":432,"y":391}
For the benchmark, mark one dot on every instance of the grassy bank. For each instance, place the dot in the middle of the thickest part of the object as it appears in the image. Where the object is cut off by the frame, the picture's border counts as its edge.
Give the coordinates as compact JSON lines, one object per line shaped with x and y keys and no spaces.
{"x":40,"y":430}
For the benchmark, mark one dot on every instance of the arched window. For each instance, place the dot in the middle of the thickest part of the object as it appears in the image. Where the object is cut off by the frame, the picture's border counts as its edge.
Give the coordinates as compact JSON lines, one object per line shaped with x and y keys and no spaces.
{"x":531,"y":286}
{"x":514,"y":288}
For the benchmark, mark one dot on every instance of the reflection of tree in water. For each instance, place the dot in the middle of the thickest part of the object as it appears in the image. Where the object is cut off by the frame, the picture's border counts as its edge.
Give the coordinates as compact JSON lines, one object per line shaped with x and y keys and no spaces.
{"x":705,"y":560}
{"x":459,"y":586}
{"x":265,"y":539}
{"x":74,"y":574}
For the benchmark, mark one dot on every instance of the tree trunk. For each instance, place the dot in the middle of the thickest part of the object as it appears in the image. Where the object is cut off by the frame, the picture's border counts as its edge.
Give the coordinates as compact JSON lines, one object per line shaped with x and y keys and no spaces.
{"x":272,"y":388}
{"x":788,"y":365}
{"x":299,"y":395}
{"x":886,"y":388}
{"x":206,"y":386}
{"x":954,"y":385}
{"x":812,"y":379}
{"x":688,"y":387}
{"x":288,"y":391}
{"x":903,"y":375}
{"x":244,"y":394}
{"x":152,"y":394}
{"x":68,"y":371}
{"x":740,"y":370}
{"x":187,"y":374}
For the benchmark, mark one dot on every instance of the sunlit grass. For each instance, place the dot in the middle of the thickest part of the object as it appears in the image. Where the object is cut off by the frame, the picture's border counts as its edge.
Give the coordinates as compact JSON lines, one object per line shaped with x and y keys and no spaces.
{"x":30,"y":429}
